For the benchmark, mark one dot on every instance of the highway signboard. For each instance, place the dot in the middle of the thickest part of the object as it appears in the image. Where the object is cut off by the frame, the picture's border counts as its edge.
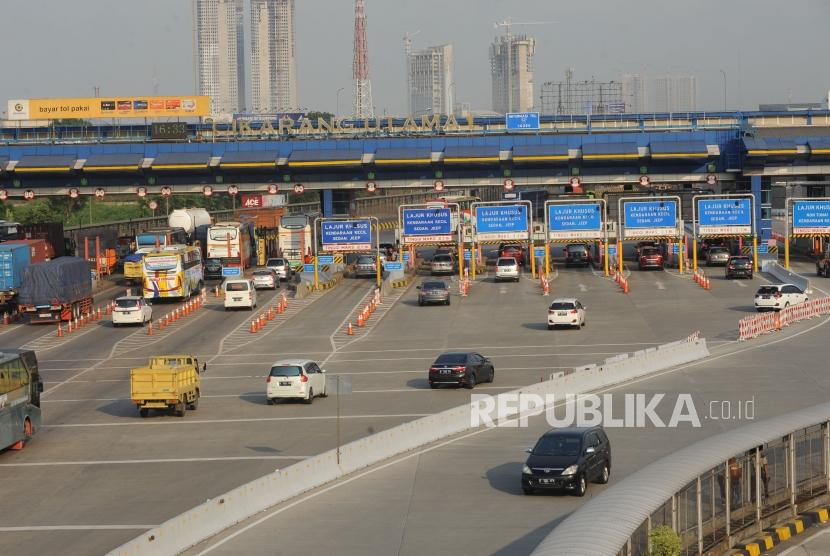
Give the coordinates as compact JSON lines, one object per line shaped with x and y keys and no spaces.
{"x":427,"y":225}
{"x":763,"y":248}
{"x":231,"y":271}
{"x":650,"y":219}
{"x":393,"y":265}
{"x":518,"y":121}
{"x":346,"y":235}
{"x":724,"y":217}
{"x":575,"y":221}
{"x":811,"y":217}
{"x":325,"y":259}
{"x":501,"y":222}
{"x":406,"y":257}
{"x":612,"y":250}
{"x":308,"y":268}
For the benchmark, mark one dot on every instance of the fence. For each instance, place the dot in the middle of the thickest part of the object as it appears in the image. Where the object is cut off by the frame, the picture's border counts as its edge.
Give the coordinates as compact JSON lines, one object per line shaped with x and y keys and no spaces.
{"x":712,"y":493}
{"x":756,"y":325}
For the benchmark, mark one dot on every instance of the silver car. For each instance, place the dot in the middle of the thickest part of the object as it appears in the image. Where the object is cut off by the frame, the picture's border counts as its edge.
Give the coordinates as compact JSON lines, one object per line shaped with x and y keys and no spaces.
{"x":365,"y":266}
{"x":442,"y":264}
{"x":434,"y":291}
{"x":266,"y":278}
{"x":507,"y":269}
{"x":717,"y":256}
{"x":280,"y":266}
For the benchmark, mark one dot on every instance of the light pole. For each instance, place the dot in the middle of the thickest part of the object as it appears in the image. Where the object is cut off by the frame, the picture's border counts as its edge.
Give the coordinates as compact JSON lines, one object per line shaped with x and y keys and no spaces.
{"x":723,"y":73}
{"x":338,"y":102}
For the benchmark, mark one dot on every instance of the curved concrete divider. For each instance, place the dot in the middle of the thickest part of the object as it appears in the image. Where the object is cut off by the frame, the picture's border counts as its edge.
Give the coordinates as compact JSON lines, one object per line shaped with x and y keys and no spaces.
{"x":604,"y":525}
{"x":214,"y":516}
{"x":786,"y":276}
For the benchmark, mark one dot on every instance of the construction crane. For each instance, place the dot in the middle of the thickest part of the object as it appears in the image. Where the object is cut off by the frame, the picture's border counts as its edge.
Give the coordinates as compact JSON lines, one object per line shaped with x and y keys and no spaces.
{"x":407,"y":49}
{"x":508,"y":24}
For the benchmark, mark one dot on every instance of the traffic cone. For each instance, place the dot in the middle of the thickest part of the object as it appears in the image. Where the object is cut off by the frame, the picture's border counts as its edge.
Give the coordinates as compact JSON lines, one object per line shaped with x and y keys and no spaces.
{"x":350,"y":330}
{"x":625,"y":286}
{"x":150,"y":328}
{"x":69,"y":327}
{"x":60,"y":331}
{"x":253,"y":326}
{"x":708,"y":284}
{"x":262,"y":321}
{"x":360,"y":321}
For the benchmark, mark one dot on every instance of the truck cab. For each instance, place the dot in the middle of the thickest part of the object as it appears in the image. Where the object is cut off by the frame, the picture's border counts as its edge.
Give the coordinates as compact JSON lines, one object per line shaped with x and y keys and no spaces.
{"x":168,"y":382}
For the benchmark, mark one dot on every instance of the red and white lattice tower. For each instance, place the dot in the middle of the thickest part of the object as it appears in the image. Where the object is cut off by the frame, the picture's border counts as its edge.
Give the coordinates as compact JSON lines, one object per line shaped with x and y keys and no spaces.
{"x":363,"y":106}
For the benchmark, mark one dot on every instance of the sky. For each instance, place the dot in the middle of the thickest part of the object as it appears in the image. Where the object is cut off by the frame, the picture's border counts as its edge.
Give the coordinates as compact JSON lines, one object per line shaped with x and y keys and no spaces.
{"x":770,"y":51}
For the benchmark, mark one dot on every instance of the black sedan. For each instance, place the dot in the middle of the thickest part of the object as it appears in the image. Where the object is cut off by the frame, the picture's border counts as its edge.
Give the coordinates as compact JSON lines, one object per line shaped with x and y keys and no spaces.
{"x":739,"y":266}
{"x":461,"y":368}
{"x":568,"y":459}
{"x":435,"y":291}
{"x":213,"y":269}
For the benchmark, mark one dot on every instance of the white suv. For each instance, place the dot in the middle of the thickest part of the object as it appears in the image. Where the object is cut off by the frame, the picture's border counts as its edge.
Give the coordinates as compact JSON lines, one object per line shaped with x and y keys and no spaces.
{"x":778,"y":296}
{"x":280,"y":266}
{"x":295,"y":378}
{"x":507,"y":269}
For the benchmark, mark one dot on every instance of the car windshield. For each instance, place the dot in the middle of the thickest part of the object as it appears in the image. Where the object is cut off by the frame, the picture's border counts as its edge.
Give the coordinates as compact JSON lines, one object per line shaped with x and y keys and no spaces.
{"x":213,"y":262}
{"x":558,"y":445}
{"x":366,"y":260}
{"x":507,"y":262}
{"x":451,"y":359}
{"x":236,"y":286}
{"x":275,"y":262}
{"x":127,"y":303}
{"x":285,"y":370}
{"x":442,"y":259}
{"x":767,"y":290}
{"x":434,"y":286}
{"x":718,"y":250}
{"x":561,"y":305}
{"x":574,"y":248}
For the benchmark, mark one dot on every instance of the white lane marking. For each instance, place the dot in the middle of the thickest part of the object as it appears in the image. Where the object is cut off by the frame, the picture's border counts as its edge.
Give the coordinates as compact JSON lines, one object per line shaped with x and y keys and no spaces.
{"x":135,"y":461}
{"x":492,"y":356}
{"x":75,"y":528}
{"x":660,"y":285}
{"x":143,"y":422}
{"x":739,"y":283}
{"x":583,"y":288}
{"x":418,"y":453}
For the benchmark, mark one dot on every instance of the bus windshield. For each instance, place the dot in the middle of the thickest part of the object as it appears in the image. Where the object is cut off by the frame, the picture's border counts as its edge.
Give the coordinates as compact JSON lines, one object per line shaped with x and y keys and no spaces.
{"x":222,"y":234}
{"x":293,"y":222}
{"x":149,"y":240}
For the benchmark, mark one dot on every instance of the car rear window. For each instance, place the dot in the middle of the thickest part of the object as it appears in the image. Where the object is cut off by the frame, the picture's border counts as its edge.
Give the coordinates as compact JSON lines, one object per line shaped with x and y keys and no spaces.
{"x":506,"y":262}
{"x":213,"y":261}
{"x":236,"y":286}
{"x":285,"y":370}
{"x":451,"y":359}
{"x":262,"y":273}
{"x":365,"y":260}
{"x":576,"y":248}
{"x":767,"y":290}
{"x":275,"y":262}
{"x":741,"y":260}
{"x":434,"y":286}
{"x":717,"y":249}
{"x":127,"y":303}
{"x":558,"y":445}
{"x":649,"y":251}
{"x":561,"y":305}
{"x":442,"y":259}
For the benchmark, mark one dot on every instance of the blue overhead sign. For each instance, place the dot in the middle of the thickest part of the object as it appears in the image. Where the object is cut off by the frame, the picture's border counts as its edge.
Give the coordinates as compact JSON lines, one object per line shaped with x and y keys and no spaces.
{"x":325,"y":259}
{"x":811,"y":217}
{"x":427,"y":225}
{"x":517,"y":121}
{"x":724,"y":216}
{"x":346,"y":235}
{"x":650,"y":218}
{"x":575,"y":221}
{"x":501,"y":222}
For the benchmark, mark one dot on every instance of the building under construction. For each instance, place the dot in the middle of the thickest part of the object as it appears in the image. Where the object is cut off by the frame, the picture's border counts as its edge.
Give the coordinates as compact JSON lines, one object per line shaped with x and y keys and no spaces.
{"x":571,"y":97}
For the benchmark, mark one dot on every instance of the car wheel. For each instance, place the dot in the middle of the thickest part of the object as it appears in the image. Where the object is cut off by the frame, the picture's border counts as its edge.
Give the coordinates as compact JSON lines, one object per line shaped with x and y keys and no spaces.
{"x":447,"y":302}
{"x":310,"y":399}
{"x":194,"y":405}
{"x":583,"y":322}
{"x":269,"y":401}
{"x":433,"y":385}
{"x":420,"y":303}
{"x":605,"y":475}
{"x":516,"y":279}
{"x":144,"y":412}
{"x":550,"y":327}
{"x":527,"y":490}
{"x":581,"y":486}
{"x":492,"y":375}
{"x":471,"y":382}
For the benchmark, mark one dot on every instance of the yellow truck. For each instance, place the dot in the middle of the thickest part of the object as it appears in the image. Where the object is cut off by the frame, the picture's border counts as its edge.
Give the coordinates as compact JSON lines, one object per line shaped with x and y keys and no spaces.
{"x":169,"y":382}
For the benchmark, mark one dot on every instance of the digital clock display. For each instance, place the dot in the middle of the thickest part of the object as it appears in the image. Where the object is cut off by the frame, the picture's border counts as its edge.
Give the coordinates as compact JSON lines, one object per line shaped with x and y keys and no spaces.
{"x":169,"y":130}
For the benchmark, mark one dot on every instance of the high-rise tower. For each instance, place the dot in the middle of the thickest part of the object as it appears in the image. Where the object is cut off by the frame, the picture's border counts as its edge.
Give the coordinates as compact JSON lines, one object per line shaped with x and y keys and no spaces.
{"x":273,"y":61}
{"x":219,"y":52}
{"x":363,"y":106}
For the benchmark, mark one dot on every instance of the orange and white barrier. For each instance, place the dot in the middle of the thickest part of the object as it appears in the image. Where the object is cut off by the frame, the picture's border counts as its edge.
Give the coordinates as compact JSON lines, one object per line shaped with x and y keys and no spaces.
{"x":756,"y":325}
{"x":622,"y":281}
{"x":544,"y":281}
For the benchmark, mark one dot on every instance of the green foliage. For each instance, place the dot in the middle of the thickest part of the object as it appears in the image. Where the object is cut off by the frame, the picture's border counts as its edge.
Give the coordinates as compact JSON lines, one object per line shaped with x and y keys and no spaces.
{"x":664,"y":542}
{"x":328,"y":116}
{"x":70,"y":122}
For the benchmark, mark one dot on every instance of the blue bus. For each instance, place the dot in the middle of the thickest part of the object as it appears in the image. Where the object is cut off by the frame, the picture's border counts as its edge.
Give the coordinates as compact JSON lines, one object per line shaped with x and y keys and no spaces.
{"x":537,"y":198}
{"x":20,"y":389}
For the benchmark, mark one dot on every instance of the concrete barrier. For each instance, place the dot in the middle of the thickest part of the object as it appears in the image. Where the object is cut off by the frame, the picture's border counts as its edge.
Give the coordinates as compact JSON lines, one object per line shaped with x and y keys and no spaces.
{"x":786,"y":276}
{"x":214,"y":516}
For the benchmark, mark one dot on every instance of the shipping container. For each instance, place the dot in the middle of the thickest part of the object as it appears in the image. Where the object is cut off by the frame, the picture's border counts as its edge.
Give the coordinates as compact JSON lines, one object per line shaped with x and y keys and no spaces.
{"x":53,"y":233}
{"x":13,"y":259}
{"x":40,"y":250}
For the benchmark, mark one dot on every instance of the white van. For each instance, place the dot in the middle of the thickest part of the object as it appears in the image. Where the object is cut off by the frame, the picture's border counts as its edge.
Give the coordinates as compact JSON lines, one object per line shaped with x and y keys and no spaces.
{"x":239,"y":292}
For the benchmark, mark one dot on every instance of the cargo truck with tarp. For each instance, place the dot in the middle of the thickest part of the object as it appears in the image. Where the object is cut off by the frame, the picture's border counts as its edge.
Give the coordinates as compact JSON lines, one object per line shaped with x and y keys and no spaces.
{"x":13,"y":259}
{"x":57,"y":290}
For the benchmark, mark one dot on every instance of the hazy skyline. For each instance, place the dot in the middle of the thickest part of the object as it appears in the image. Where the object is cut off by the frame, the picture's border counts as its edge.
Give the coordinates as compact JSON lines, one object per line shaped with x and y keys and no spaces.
{"x":767,"y":50}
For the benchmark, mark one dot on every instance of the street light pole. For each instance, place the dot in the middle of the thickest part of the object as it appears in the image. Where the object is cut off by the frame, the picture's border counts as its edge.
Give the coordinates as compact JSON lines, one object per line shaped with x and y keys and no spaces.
{"x":723,"y":73}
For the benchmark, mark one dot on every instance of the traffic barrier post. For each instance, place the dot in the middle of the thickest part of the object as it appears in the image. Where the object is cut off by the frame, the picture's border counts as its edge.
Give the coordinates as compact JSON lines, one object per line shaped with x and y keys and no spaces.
{"x":60,"y":330}
{"x":350,"y":330}
{"x":150,"y":328}
{"x":69,"y":327}
{"x":253,"y":326}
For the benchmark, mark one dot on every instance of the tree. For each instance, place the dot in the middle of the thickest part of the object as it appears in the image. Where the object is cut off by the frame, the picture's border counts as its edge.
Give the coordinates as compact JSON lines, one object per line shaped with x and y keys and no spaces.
{"x":70,"y":122}
{"x":664,"y":542}
{"x":38,"y":211}
{"x":313,"y":116}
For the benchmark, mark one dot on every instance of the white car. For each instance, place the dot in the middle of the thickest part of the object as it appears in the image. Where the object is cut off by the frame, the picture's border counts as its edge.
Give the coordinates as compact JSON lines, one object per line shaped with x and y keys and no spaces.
{"x":239,"y":292}
{"x":775,"y":297}
{"x":566,"y":312}
{"x":280,"y":266}
{"x":442,"y":264}
{"x":295,"y":378}
{"x":507,"y":269}
{"x":131,"y":309}
{"x":266,"y":278}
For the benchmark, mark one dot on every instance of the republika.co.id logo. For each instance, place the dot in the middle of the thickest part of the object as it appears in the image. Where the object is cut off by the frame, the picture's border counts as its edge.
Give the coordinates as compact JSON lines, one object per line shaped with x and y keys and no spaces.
{"x":18,"y":107}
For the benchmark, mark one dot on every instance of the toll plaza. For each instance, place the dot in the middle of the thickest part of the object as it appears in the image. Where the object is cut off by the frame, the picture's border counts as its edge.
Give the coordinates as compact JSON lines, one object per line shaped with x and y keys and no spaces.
{"x":808,"y":218}
{"x":345,"y":235}
{"x":502,"y":221}
{"x":724,"y":216}
{"x":569,"y":220}
{"x":431,"y":225}
{"x":654,"y":219}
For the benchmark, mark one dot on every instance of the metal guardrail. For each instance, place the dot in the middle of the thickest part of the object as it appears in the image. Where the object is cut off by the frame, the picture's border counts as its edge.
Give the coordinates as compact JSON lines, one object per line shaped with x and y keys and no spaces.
{"x":712,"y":493}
